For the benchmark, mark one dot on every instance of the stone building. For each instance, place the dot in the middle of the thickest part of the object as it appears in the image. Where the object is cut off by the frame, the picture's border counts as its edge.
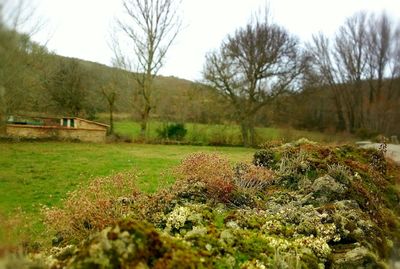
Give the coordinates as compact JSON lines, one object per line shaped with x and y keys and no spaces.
{"x":64,"y":128}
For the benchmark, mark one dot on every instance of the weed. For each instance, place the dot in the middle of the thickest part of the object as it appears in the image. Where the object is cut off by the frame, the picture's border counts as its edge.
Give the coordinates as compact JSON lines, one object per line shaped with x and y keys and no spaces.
{"x":378,"y":161}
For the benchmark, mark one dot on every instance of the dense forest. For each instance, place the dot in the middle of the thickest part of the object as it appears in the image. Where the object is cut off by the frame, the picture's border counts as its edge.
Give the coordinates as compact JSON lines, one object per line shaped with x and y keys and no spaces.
{"x":348,"y":83}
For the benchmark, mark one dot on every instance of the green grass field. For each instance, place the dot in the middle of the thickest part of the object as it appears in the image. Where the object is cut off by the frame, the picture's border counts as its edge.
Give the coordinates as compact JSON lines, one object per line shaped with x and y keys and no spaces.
{"x":35,"y":173}
{"x":217,"y":134}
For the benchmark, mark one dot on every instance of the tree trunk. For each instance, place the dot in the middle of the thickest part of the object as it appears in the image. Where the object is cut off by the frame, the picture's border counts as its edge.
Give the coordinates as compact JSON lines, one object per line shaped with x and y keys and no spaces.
{"x":143,"y":127}
{"x":252,"y":128}
{"x":252,"y":132}
{"x":247,"y":126}
{"x":248,"y":133}
{"x":145,"y":119}
{"x":111,"y":131}
{"x":2,"y":111}
{"x":245,"y":133}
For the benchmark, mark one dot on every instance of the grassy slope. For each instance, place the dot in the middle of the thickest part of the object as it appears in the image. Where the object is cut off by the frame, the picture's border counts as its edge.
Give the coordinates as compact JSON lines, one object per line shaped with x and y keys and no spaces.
{"x":42,"y":173}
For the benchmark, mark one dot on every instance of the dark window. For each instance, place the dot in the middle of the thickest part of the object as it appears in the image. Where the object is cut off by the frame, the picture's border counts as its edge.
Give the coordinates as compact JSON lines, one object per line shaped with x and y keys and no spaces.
{"x":72,"y":122}
{"x":65,"y":122}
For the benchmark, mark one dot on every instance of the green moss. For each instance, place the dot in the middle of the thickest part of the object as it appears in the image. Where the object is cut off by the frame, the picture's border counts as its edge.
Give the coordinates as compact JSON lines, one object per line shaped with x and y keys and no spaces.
{"x":392,"y":198}
{"x":219,"y":219}
{"x":252,"y":244}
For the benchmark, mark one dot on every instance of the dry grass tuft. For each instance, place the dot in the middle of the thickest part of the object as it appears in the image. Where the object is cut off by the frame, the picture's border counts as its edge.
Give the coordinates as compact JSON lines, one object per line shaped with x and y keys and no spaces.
{"x":213,"y":171}
{"x":253,"y":177}
{"x":92,"y":208}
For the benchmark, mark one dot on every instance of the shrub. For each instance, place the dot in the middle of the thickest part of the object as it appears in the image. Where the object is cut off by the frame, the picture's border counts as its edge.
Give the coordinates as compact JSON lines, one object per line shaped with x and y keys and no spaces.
{"x":92,"y":208}
{"x":205,"y":167}
{"x":211,"y":170}
{"x":174,"y":131}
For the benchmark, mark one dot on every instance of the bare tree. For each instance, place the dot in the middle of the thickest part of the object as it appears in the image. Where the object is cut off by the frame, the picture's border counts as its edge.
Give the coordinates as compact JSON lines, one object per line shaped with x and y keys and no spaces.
{"x":252,"y":66}
{"x":324,"y":68}
{"x":149,"y":27}
{"x":68,"y":88}
{"x":351,"y":58}
{"x":21,"y":16}
{"x":110,"y":93}
{"x":359,"y":68}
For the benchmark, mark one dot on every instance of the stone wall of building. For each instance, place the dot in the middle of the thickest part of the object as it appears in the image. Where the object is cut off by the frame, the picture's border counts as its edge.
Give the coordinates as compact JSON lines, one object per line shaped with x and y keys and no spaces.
{"x":86,"y":135}
{"x":30,"y":131}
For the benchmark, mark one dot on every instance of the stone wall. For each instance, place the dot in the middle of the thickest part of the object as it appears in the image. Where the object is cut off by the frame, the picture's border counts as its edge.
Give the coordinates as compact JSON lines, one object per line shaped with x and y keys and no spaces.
{"x":86,"y":135}
{"x":30,"y":131}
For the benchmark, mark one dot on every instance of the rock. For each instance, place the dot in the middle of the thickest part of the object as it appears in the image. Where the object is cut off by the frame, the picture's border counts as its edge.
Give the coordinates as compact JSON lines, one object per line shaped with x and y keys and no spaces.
{"x":359,"y":257}
{"x":326,"y":188}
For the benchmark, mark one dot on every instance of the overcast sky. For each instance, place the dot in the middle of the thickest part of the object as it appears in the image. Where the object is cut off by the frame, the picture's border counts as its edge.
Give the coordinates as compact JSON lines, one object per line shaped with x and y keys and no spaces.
{"x":80,"y":28}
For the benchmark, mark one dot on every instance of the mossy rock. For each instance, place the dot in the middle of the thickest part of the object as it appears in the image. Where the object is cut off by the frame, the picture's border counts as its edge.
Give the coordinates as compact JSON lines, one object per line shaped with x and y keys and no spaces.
{"x":327,"y":189}
{"x":134,"y":244}
{"x":356,"y":258}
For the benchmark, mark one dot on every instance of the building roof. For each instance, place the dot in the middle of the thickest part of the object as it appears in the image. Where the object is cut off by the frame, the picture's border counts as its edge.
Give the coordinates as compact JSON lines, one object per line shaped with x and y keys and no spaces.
{"x":89,"y":121}
{"x":59,"y":118}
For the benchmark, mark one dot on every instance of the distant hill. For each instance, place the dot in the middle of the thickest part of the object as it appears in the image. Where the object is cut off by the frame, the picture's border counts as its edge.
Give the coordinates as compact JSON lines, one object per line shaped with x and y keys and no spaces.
{"x":175,"y":99}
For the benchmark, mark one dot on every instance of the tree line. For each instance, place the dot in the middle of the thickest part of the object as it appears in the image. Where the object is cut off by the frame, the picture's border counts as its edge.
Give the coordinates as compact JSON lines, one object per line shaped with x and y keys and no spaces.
{"x":352,"y":79}
{"x":260,"y":75}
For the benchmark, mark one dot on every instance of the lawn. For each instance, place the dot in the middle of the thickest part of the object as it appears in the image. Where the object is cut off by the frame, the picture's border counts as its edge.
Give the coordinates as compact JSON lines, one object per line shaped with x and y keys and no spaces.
{"x":35,"y":173}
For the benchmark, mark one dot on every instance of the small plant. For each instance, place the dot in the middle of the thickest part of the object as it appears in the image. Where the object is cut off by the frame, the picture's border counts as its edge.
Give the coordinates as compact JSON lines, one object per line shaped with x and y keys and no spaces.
{"x":174,"y":131}
{"x":378,"y":161}
{"x":339,"y":172}
{"x":293,"y":166}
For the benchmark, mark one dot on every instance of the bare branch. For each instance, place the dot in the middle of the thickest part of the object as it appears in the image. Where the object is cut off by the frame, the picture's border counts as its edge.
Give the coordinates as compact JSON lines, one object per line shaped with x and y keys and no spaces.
{"x":254,"y":64}
{"x":21,"y":16}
